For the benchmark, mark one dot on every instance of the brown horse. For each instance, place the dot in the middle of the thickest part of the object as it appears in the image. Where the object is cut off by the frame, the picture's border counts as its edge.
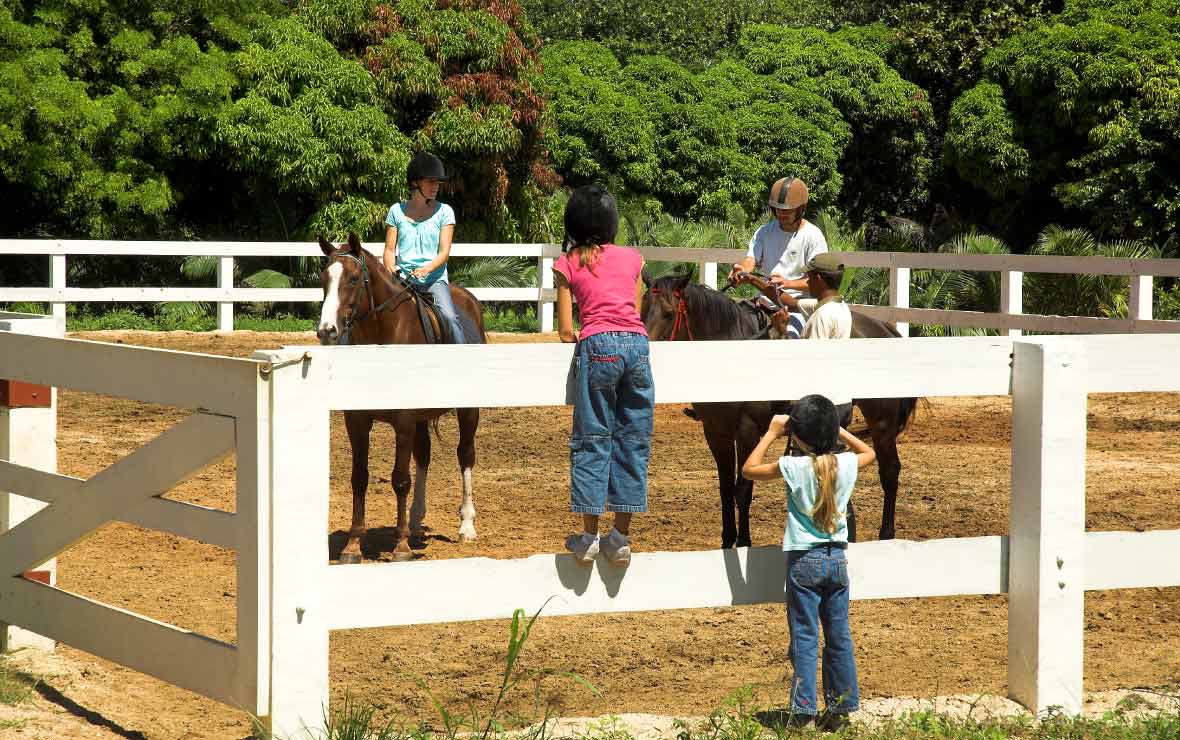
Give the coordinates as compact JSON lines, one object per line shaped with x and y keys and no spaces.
{"x":674,"y":309}
{"x":365,"y":304}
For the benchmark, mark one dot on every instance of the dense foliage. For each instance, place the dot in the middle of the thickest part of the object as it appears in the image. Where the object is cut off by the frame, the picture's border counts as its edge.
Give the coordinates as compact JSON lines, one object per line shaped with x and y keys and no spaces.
{"x":1078,"y":119}
{"x":790,"y":101}
{"x":275,"y":119}
{"x":695,"y":33}
{"x":128,"y":119}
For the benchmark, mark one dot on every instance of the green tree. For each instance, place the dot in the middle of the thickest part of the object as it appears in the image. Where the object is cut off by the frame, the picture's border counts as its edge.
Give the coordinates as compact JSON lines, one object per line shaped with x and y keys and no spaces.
{"x":888,"y":159}
{"x":340,"y":94}
{"x":695,"y":33}
{"x":1078,"y":119}
{"x":705,"y":145}
{"x":108,"y":109}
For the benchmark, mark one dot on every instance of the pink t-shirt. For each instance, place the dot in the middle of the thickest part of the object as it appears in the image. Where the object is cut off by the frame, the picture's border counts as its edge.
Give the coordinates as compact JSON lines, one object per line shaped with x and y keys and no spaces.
{"x":606,"y":296}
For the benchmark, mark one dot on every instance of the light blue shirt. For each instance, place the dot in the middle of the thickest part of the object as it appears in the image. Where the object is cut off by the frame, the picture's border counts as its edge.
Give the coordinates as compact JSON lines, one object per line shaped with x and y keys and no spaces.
{"x":417,"y":241}
{"x":803,"y":490}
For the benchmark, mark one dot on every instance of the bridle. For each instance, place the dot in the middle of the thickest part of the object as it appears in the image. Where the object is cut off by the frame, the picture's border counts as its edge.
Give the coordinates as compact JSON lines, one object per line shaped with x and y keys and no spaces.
{"x":681,"y":314}
{"x":389,"y":303}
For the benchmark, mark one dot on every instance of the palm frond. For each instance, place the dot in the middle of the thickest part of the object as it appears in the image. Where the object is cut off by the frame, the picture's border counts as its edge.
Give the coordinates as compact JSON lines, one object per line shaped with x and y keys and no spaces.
{"x":198,"y":267}
{"x":267,"y":278}
{"x":182,"y":311}
{"x":494,"y":272}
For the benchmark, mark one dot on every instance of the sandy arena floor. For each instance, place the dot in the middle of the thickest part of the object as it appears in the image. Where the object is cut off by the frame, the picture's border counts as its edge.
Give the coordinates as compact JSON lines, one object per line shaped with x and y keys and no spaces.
{"x":954,"y":483}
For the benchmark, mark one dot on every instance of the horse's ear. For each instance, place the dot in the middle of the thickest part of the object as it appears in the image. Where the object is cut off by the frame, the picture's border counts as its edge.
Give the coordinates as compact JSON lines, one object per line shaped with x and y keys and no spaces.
{"x":682,"y":281}
{"x":326,"y":246}
{"x":354,"y":242}
{"x":646,"y":281}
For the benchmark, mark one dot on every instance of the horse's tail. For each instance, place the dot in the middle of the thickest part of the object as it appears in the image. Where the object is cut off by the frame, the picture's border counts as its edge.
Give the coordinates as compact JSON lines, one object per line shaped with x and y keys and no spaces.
{"x":906,"y":410}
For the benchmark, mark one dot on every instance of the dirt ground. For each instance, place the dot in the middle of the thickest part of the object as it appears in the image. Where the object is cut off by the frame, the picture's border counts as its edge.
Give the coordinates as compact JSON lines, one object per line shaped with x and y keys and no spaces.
{"x":954,"y":484}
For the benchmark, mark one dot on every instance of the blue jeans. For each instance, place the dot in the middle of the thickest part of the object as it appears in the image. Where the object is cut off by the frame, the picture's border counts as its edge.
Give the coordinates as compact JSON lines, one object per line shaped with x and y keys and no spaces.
{"x":613,"y":408}
{"x":817,"y":593}
{"x":440,"y":290}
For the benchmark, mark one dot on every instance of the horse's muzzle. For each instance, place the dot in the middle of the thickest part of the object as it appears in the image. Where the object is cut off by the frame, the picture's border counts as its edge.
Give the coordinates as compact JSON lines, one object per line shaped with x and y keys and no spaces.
{"x":328,"y":335}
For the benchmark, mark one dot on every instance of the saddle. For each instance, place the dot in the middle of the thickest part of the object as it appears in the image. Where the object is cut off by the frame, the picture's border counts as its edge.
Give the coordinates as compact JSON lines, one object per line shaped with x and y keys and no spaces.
{"x":436,"y":330}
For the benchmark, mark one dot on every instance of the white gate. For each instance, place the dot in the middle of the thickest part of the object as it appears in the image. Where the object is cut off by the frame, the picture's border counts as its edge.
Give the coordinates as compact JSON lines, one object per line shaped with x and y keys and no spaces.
{"x":230,"y":415}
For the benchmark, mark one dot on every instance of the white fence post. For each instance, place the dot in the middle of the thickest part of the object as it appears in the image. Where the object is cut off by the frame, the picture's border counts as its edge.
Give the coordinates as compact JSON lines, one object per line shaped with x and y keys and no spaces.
{"x":1012,"y":295}
{"x":707,"y":274}
{"x":252,"y":494}
{"x":299,"y":448}
{"x":225,"y":281}
{"x":1047,"y":528}
{"x":544,"y":305}
{"x":57,"y":280}
{"x":899,"y":295}
{"x":28,"y":436}
{"x":1139,"y":307}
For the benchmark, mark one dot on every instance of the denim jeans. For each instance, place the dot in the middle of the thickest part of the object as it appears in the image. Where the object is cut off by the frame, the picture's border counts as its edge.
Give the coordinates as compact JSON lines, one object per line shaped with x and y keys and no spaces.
{"x":611,"y":441}
{"x":440,"y":290}
{"x":817,"y":593}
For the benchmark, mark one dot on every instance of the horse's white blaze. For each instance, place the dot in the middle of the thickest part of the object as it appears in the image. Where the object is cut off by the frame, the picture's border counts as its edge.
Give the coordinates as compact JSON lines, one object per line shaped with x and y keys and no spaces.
{"x":418,"y":507}
{"x":331,"y":307}
{"x":467,"y":509}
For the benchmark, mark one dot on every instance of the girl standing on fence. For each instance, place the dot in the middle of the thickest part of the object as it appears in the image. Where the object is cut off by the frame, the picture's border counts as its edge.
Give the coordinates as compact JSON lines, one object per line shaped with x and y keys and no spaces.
{"x":418,"y":238}
{"x":611,"y":440}
{"x":819,"y":487}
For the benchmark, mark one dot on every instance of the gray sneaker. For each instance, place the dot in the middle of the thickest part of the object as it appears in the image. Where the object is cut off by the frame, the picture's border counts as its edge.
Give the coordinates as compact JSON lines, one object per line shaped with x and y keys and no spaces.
{"x":584,"y":546}
{"x":617,"y":548}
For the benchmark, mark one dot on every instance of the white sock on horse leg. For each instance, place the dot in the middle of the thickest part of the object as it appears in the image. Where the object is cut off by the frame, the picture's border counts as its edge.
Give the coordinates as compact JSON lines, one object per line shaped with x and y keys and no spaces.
{"x":418,"y":507}
{"x":467,"y":509}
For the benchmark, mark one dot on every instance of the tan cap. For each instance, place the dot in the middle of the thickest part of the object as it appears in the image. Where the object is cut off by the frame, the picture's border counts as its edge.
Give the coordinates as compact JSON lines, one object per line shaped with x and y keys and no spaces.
{"x":787,"y":193}
{"x":825,"y":262}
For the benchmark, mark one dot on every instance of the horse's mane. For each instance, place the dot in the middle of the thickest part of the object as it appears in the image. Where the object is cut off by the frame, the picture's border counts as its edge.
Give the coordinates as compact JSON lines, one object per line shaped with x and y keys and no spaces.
{"x":714,"y":315}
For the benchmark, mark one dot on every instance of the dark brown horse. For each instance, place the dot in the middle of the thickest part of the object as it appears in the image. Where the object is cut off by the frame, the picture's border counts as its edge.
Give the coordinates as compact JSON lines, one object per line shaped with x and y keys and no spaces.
{"x":676,"y":309}
{"x":365,"y":304}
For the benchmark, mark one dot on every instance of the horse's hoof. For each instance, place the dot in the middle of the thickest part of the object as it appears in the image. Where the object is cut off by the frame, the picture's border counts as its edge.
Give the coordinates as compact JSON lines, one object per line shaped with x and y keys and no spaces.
{"x":402,"y":556}
{"x":350,"y":558}
{"x":465,"y":537}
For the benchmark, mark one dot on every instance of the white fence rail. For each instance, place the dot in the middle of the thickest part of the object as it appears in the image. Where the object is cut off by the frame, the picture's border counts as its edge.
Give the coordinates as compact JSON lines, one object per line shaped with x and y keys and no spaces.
{"x":290,"y":598}
{"x":1010,"y":315}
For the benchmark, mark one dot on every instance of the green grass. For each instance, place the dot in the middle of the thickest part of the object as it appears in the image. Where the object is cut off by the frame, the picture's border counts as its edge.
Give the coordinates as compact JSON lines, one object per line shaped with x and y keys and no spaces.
{"x":508,"y":320}
{"x":142,"y":319}
{"x":16,"y":687}
{"x":737,"y":718}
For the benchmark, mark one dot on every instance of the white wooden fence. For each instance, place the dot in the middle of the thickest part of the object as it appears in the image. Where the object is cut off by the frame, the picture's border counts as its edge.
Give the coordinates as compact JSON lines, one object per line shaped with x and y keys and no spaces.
{"x":277,"y":405}
{"x":1011,"y":268}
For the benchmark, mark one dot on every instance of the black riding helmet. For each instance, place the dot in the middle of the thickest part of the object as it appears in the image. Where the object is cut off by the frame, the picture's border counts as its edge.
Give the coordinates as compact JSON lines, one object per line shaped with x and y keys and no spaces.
{"x":424,"y":165}
{"x":815,"y":421}
{"x":591,"y":217}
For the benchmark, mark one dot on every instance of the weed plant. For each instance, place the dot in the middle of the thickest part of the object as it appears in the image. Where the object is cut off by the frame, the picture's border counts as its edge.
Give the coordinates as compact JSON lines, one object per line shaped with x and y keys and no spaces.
{"x":16,"y":686}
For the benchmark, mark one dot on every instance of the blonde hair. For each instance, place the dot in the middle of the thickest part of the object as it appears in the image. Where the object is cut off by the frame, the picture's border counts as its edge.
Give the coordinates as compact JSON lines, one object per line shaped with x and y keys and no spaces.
{"x":825,"y":514}
{"x":587,"y":254}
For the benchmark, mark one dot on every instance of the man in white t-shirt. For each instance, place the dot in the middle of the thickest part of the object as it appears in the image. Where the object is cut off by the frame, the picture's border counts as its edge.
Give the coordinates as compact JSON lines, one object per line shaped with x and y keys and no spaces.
{"x":827,"y":315}
{"x":782,"y":248}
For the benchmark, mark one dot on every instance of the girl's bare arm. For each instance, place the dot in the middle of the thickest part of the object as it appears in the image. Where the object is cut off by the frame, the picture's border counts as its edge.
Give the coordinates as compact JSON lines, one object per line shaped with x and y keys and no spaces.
{"x":864,"y":453}
{"x":565,"y":309}
{"x":389,"y":258}
{"x":756,"y":470}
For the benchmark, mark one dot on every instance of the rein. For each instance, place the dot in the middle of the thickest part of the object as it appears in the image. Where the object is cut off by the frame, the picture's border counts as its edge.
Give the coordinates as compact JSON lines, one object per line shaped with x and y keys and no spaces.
{"x":400,"y":297}
{"x":681,"y":315}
